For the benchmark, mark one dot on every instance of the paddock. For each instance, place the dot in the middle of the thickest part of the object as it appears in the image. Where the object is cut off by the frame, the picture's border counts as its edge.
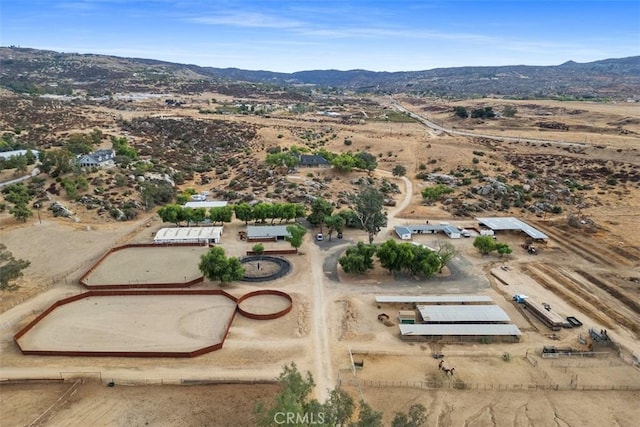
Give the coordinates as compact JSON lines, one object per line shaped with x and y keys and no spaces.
{"x":146,"y":324}
{"x":146,"y":265}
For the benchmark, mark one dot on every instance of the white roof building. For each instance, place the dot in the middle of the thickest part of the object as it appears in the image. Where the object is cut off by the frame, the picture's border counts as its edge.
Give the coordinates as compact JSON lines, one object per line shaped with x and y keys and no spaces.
{"x":206,"y":204}
{"x":203,"y":235}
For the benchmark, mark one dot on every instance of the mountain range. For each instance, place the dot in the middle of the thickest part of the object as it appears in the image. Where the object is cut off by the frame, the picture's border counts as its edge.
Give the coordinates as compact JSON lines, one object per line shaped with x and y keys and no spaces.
{"x":43,"y":71}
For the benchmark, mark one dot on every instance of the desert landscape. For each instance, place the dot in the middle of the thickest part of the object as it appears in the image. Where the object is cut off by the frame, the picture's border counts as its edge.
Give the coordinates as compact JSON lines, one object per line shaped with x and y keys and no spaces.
{"x":571,"y":169}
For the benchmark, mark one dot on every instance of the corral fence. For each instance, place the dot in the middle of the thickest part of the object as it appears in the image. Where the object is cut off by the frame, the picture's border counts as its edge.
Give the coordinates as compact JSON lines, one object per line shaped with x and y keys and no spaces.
{"x":460,"y":385}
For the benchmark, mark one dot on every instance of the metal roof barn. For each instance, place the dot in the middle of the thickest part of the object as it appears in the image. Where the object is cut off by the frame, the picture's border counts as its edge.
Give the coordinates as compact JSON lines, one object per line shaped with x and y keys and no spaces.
{"x":453,"y":330}
{"x":208,"y":205}
{"x":274,"y":232}
{"x":463,"y":314}
{"x":188,"y":235}
{"x":433,"y":299}
{"x":510,"y":223}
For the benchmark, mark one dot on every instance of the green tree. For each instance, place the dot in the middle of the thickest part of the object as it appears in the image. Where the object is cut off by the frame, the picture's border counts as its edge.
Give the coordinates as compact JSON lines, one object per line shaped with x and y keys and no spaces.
{"x":503,"y":249}
{"x":358,"y":259}
{"x":214,"y":265}
{"x":258,"y":249}
{"x":10,"y":268}
{"x":198,"y":215}
{"x":399,"y":170}
{"x":461,"y":112}
{"x":416,"y":417}
{"x":320,"y":209}
{"x":21,"y":212}
{"x":366,"y":161}
{"x":367,"y":417}
{"x":344,"y":162}
{"x":424,"y":263}
{"x":435,"y":192}
{"x":368,"y":207}
{"x":485,"y":244}
{"x":261,"y":211}
{"x":282,"y":159}
{"x":293,"y":398}
{"x":170,"y":213}
{"x":446,"y":253}
{"x":297,"y":235}
{"x":334,"y":223}
{"x":16,"y":193}
{"x":338,"y":410}
{"x":221,"y":214}
{"x":244,"y":212}
{"x":509,"y":111}
{"x":388,"y":255}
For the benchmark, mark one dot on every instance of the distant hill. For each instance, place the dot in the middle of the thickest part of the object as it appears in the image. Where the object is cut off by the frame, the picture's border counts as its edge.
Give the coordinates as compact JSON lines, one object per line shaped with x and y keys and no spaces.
{"x":33,"y":70}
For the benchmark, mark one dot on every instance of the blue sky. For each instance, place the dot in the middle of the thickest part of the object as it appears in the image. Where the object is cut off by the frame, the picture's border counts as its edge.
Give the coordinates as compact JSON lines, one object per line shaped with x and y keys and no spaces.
{"x":287,"y":36}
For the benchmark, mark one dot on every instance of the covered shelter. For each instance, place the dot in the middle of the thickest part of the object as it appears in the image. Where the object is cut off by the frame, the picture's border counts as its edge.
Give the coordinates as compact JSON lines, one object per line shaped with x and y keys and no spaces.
{"x":465,"y":314}
{"x":267,"y":233}
{"x":206,"y":204}
{"x":511,"y":223}
{"x":204,"y":235}
{"x":434,"y":299}
{"x":459,"y":332}
{"x":405,"y":232}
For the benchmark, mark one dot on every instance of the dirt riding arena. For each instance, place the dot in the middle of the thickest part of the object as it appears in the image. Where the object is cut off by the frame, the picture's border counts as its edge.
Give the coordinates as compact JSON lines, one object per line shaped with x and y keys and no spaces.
{"x":136,"y":266}
{"x":133,"y":323}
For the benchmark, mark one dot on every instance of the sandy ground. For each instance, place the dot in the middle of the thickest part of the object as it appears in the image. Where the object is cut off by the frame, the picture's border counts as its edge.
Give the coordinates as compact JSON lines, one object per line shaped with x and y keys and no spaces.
{"x":264,"y":304}
{"x":148,"y":265}
{"x":93,"y":404}
{"x":177,"y":323}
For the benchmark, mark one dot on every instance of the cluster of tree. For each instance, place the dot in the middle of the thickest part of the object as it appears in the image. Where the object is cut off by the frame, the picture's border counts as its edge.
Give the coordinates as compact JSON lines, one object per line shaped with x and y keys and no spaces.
{"x":293,"y":406}
{"x":487,"y":244}
{"x":287,"y":159}
{"x":263,"y":211}
{"x":346,"y":162}
{"x":10,"y":268}
{"x":83,"y":143}
{"x":484,"y":113}
{"x":215,"y":265}
{"x":57,"y":162}
{"x":431,"y":194}
{"x":73,"y":185}
{"x":156,"y":192}
{"x":243,"y":211}
{"x":122,"y":148}
{"x":367,"y":213}
{"x":178,"y":214}
{"x":481,"y":113}
{"x":19,"y":162}
{"x":397,"y":257}
{"x":19,"y":195}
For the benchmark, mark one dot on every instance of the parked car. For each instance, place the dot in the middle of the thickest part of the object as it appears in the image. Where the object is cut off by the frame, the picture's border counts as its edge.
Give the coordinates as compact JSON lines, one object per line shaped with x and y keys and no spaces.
{"x":319,"y":237}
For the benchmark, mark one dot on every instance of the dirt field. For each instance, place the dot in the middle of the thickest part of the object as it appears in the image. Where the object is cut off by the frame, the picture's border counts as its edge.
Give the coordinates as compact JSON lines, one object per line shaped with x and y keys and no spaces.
{"x":592,"y":275}
{"x":173,"y":323}
{"x":93,"y":404}
{"x":148,"y":265}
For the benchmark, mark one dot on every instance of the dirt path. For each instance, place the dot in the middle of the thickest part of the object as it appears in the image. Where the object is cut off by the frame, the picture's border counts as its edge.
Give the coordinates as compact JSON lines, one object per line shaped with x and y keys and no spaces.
{"x":323,"y":374}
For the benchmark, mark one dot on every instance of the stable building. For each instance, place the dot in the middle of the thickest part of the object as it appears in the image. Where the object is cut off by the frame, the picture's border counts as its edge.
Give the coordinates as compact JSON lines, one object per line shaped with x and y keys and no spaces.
{"x":463,"y":314}
{"x":173,"y":235}
{"x":206,"y":204}
{"x":451,"y":332}
{"x":405,"y":232}
{"x":511,"y":224}
{"x":267,"y":233}
{"x":434,"y":299}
